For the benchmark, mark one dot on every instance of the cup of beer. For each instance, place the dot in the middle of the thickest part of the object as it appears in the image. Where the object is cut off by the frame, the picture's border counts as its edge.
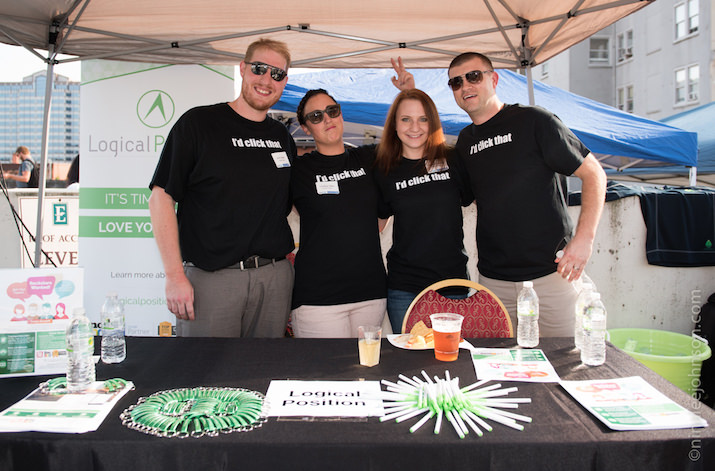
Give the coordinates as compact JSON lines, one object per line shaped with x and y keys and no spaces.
{"x":447,"y":328}
{"x":369,"y":337}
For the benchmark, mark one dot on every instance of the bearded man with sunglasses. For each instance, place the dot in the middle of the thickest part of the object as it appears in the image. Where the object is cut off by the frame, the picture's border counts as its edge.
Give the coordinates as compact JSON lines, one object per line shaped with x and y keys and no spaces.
{"x":517,"y":158}
{"x":228,"y":168}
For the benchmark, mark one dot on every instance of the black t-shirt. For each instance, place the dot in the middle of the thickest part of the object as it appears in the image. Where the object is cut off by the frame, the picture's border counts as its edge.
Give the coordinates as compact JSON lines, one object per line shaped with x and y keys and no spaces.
{"x":231,"y":179}
{"x":339,"y":259}
{"x":515,"y":163}
{"x":427,"y":237}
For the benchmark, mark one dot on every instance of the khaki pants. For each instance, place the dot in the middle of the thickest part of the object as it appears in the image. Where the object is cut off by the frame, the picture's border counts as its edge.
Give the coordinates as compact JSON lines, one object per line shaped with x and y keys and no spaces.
{"x":337,"y":321}
{"x":557,"y":301}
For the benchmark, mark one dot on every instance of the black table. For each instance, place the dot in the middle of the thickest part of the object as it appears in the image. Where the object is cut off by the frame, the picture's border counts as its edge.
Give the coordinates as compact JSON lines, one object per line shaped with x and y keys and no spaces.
{"x":562,"y":435}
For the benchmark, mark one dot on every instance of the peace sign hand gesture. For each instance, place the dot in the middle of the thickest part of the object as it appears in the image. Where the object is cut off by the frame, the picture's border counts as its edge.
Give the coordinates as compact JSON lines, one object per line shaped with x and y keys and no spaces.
{"x":404,"y":80}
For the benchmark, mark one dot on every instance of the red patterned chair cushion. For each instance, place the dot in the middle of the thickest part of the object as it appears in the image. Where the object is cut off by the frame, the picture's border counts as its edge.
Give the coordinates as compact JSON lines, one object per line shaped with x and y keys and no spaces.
{"x":483,"y":315}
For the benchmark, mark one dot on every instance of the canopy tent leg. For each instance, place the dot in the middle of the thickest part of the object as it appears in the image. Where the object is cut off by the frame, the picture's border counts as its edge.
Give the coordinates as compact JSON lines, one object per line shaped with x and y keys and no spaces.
{"x":43,"y":156}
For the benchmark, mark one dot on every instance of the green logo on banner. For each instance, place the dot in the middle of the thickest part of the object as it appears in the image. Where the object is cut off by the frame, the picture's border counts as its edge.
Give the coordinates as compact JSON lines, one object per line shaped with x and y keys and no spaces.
{"x":59,"y":214}
{"x":155,"y":109}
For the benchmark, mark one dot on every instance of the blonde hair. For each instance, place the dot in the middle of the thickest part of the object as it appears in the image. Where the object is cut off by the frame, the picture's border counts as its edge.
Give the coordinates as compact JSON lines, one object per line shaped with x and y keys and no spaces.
{"x":265,"y":43}
{"x":389,"y":150}
{"x":22,"y":150}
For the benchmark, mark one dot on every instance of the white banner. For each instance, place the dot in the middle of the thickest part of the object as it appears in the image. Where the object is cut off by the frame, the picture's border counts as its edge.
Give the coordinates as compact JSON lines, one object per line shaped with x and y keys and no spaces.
{"x":127,"y":111}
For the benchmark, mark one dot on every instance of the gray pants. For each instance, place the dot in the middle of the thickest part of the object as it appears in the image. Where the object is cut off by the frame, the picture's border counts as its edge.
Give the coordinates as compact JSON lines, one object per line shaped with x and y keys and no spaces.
{"x":239,"y":303}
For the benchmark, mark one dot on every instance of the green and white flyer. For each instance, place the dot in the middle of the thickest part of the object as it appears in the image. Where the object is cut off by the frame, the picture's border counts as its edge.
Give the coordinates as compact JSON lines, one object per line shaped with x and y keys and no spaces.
{"x":631,"y":404}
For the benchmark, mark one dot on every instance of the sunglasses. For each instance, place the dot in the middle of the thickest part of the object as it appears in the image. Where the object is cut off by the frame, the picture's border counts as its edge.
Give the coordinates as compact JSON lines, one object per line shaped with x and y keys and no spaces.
{"x":475,"y":76}
{"x":259,"y":68}
{"x":317,"y":116}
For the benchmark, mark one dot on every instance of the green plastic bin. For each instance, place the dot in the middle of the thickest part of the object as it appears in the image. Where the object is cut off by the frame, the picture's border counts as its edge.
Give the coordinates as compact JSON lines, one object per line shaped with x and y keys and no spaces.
{"x":676,"y":357}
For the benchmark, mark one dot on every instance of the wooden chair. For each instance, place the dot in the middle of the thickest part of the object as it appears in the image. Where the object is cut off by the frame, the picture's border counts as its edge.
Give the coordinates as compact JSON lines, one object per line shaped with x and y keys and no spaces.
{"x":484,"y":314}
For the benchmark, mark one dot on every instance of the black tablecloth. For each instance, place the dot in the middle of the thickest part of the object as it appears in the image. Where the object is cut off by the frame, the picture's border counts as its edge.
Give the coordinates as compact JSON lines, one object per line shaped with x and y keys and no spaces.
{"x":562,"y":435}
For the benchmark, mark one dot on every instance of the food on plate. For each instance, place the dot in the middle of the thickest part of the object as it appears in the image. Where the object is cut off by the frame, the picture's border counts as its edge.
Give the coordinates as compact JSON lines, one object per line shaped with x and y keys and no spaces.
{"x":421,"y":337}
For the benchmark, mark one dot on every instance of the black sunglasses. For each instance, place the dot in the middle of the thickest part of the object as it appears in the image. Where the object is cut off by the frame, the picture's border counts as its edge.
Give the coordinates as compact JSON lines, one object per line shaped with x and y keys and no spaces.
{"x":475,"y":76}
{"x":317,"y":116}
{"x":259,"y":68}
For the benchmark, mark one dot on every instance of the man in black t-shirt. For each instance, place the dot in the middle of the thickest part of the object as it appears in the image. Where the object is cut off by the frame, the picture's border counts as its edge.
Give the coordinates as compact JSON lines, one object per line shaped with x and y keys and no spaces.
{"x":226,"y":167}
{"x":516,"y":157}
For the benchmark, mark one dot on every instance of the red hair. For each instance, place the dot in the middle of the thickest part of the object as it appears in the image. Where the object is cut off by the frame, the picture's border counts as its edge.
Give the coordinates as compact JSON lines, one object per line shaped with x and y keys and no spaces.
{"x":389,"y":151}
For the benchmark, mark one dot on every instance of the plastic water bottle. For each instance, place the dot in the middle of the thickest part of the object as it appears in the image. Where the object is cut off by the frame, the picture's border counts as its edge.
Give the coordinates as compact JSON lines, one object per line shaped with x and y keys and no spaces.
{"x":527,"y":313}
{"x":584,"y":296}
{"x":80,"y":348}
{"x":114,"y":345}
{"x":593,"y":352}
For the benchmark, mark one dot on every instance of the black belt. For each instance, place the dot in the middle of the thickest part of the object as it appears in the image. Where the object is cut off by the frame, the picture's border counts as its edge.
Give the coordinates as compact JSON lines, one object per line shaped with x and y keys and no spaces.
{"x":254,"y":261}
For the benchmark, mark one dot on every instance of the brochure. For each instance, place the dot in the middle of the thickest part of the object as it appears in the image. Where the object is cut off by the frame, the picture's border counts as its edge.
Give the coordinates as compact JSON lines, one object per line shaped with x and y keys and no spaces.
{"x":631,"y":404}
{"x":62,"y":412}
{"x":516,"y":364}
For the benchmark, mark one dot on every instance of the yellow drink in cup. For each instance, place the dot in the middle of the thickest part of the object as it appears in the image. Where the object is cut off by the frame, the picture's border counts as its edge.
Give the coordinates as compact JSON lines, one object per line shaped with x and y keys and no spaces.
{"x":447,"y":328}
{"x":369,"y":339}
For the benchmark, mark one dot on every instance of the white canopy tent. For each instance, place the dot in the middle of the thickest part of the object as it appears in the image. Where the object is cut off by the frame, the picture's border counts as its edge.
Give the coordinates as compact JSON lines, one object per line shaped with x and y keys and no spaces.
{"x":338,"y":34}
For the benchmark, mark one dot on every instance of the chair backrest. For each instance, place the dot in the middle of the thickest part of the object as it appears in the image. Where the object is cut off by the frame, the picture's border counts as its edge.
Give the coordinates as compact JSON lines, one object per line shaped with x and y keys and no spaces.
{"x":484,"y":314}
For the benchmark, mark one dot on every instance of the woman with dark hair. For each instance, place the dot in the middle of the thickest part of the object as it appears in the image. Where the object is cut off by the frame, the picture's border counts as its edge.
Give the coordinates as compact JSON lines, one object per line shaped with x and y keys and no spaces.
{"x":422,"y":187}
{"x":340,"y":280}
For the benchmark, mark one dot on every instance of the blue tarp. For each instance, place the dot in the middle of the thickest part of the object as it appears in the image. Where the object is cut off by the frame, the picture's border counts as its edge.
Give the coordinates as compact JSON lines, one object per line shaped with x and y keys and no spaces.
{"x":366,"y":94}
{"x":702,"y":121}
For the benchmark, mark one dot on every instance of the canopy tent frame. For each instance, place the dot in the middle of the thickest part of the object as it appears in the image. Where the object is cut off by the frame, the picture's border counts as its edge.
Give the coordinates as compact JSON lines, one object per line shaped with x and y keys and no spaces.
{"x":62,"y":26}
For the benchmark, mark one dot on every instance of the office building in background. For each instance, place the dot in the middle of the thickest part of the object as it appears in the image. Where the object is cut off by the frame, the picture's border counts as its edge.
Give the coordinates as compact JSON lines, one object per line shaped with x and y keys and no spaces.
{"x":21,"y":111}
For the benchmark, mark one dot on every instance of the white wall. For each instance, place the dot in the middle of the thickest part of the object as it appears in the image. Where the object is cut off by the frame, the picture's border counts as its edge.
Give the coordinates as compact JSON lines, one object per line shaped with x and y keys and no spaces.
{"x":635,"y":293}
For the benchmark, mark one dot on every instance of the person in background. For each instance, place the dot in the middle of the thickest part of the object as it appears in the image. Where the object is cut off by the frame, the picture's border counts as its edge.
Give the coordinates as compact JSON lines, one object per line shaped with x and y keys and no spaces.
{"x":423,"y":189}
{"x":73,"y":174}
{"x":228,"y":167}
{"x":516,"y":157}
{"x":339,"y":273}
{"x":22,"y":156}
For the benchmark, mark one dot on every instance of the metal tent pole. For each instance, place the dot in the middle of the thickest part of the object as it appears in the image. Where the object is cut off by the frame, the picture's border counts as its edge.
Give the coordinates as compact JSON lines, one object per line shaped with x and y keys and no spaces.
{"x":43,"y":158}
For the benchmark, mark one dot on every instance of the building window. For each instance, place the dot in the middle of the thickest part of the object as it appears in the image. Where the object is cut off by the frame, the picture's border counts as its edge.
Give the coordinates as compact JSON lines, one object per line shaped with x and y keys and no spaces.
{"x":598,"y":51}
{"x":544,"y":70}
{"x":687,"y":18}
{"x":687,"y":84}
{"x":624,"y":98}
{"x":625,"y":45}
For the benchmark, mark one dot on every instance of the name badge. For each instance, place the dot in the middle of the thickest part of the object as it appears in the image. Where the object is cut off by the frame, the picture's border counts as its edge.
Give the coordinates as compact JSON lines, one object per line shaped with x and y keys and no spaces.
{"x":438,"y":166}
{"x":281,"y":159}
{"x":327,"y":188}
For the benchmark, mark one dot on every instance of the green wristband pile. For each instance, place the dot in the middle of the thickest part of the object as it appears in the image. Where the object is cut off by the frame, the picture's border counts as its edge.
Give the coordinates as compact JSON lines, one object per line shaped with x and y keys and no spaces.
{"x":196,"y":412}
{"x":464,"y":408}
{"x":59,"y":385}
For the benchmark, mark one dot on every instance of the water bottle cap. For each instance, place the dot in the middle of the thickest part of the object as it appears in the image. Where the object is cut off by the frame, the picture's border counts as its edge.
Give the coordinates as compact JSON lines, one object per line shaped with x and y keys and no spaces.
{"x":528,"y":284}
{"x":596,"y":295}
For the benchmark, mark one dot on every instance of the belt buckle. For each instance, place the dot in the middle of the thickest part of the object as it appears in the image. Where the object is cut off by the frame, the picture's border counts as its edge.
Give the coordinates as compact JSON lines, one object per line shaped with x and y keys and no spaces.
{"x":250,"y":262}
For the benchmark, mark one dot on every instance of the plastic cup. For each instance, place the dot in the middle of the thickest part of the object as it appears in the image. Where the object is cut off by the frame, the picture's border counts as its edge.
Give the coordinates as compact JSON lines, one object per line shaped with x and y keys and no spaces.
{"x":369,"y":339}
{"x":447,"y":328}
